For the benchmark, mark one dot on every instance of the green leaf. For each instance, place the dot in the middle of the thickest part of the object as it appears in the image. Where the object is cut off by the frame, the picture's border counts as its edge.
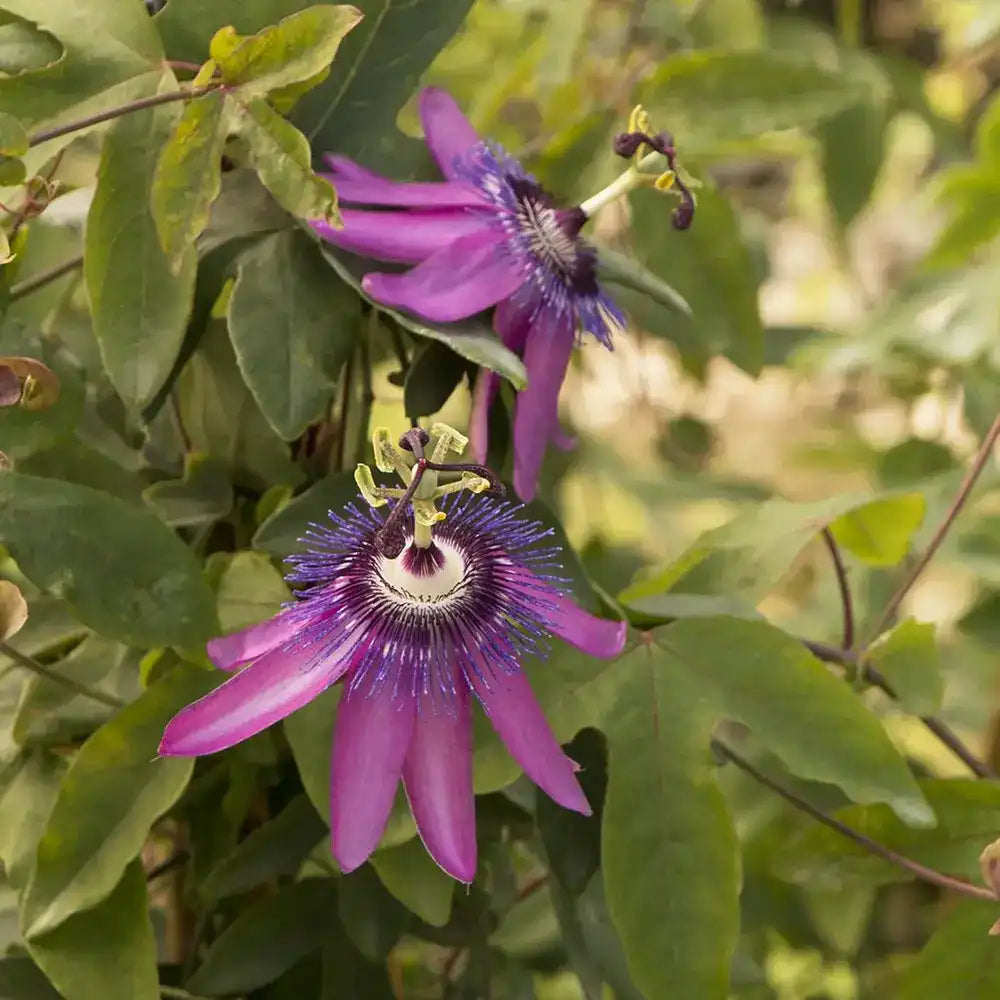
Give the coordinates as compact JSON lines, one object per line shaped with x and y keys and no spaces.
{"x":710,"y":267}
{"x":276,"y":848}
{"x":745,"y":557}
{"x":250,"y":590}
{"x":431,"y":379}
{"x":908,"y":658}
{"x":602,"y":942}
{"x":108,"y":951}
{"x":573,"y":842}
{"x":123,"y":572}
{"x":292,"y":329}
{"x":23,"y":48}
{"x":25,"y":806}
{"x":187,"y":176}
{"x":222,"y":418}
{"x":377,"y":68}
{"x":279,"y":535}
{"x":139,"y":305}
{"x":203,"y":496}
{"x":268,"y":938}
{"x":621,"y":269}
{"x":974,"y":195}
{"x":48,"y":709}
{"x":712,"y":95}
{"x":961,"y":960}
{"x":281,"y":156}
{"x":13,"y":138}
{"x":879,"y":533}
{"x":968,"y":816}
{"x":111,"y":53}
{"x":186,"y":26}
{"x":669,"y":853}
{"x":413,"y":877}
{"x":811,"y":719}
{"x":371,"y":917}
{"x":852,"y":142}
{"x":21,"y":979}
{"x":473,"y":338}
{"x":298,"y":48}
{"x":114,"y":790}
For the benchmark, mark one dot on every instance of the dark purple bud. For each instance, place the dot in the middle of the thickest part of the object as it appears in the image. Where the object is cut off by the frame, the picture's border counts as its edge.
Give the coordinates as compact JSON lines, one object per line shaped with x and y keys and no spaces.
{"x":684,"y":214}
{"x":415,"y":440}
{"x":627,"y":143}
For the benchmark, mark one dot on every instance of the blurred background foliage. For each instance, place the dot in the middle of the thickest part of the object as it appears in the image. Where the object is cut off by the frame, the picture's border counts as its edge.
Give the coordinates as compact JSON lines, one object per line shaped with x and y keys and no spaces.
{"x":845,"y":337}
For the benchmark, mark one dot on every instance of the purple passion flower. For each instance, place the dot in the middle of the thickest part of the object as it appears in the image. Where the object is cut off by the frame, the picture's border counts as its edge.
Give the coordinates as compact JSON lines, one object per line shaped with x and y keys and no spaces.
{"x":414,"y":637}
{"x":489,"y":235}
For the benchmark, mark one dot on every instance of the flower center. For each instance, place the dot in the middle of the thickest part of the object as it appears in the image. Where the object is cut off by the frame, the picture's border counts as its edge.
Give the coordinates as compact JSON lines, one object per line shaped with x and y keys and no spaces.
{"x":548,"y":233}
{"x":423,"y":576}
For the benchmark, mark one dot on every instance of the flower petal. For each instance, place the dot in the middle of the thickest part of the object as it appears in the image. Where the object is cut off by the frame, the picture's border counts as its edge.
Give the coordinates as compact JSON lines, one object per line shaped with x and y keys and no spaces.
{"x":483,"y":393}
{"x":597,"y":636}
{"x":370,"y":741}
{"x":546,"y":357}
{"x":562,"y":440}
{"x":460,"y":280}
{"x":519,"y":721}
{"x":348,"y":168}
{"x":230,"y":652}
{"x":255,"y":698}
{"x":414,"y":194}
{"x":438,"y":779}
{"x":512,"y":321}
{"x":406,"y":237}
{"x":447,"y":131}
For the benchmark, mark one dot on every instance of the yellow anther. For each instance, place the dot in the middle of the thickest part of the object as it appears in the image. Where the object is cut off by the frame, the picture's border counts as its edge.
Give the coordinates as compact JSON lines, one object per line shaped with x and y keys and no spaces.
{"x":474,"y":483}
{"x":665,"y":181}
{"x":425,"y":513}
{"x":366,"y":483}
{"x":387,"y":458}
{"x":638,"y":120}
{"x":448,"y":439}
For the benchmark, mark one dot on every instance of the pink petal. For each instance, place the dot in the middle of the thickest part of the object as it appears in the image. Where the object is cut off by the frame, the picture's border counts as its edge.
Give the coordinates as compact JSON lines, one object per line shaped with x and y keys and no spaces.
{"x":229,"y":652}
{"x":546,"y":358}
{"x":519,"y":721}
{"x":370,"y":741}
{"x":562,"y":440}
{"x":406,"y":237}
{"x":483,"y":393}
{"x":414,"y":194}
{"x":512,"y":323}
{"x":269,"y":689}
{"x":447,"y":131}
{"x":461,"y":280}
{"x":438,"y":779}
{"x":597,"y":636}
{"x":348,"y":168}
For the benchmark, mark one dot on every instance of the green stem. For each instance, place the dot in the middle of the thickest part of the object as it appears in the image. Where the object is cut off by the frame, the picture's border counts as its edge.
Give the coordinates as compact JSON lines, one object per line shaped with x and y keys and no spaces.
{"x":29,"y":663}
{"x":40,"y":280}
{"x":37,"y":138}
{"x":872,"y":846}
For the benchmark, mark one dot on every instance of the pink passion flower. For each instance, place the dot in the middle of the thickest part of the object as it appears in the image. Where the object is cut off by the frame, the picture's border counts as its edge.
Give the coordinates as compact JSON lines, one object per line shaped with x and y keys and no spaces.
{"x":488,"y":235}
{"x":418,"y":612}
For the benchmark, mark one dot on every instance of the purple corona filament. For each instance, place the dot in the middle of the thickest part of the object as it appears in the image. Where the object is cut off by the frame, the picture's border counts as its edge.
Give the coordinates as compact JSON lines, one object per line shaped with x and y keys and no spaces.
{"x":414,"y":638}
